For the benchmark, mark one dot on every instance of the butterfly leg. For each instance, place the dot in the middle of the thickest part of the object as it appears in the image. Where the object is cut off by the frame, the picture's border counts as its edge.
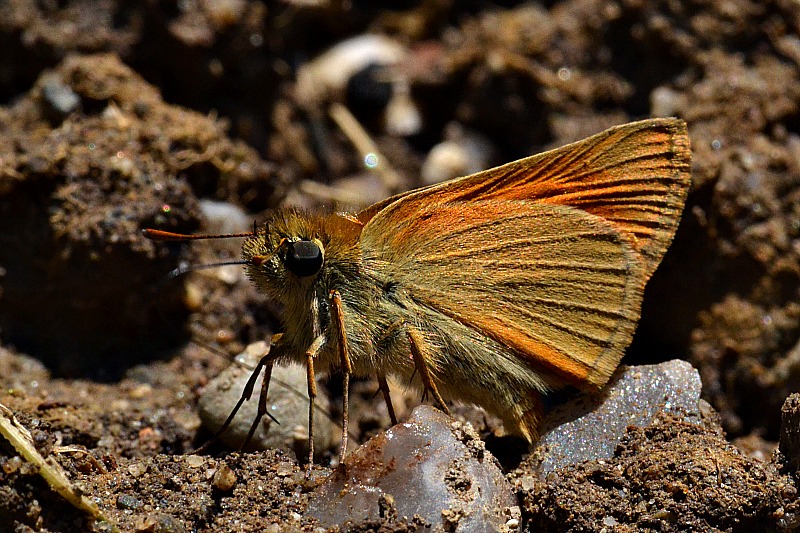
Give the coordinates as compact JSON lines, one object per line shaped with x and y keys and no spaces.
{"x":265,"y":363}
{"x":384,"y":388}
{"x":344,"y":354}
{"x":311,"y":353}
{"x":416,"y":341}
{"x":262,"y":402}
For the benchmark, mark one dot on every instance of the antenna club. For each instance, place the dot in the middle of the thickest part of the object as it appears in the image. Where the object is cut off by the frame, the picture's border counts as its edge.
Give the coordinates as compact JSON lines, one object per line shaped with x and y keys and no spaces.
{"x":160,"y":235}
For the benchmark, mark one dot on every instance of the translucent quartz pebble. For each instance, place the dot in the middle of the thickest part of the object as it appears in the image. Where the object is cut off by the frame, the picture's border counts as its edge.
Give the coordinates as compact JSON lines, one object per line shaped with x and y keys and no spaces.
{"x":427,"y":466}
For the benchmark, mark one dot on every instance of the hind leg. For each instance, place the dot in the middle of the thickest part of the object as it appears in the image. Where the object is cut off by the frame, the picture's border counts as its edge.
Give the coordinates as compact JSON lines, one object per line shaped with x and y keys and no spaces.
{"x":422,"y":366}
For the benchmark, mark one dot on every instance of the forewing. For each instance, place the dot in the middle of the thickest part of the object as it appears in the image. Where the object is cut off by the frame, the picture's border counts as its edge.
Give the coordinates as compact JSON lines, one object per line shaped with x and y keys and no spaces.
{"x":559,"y":285}
{"x":635,"y":176}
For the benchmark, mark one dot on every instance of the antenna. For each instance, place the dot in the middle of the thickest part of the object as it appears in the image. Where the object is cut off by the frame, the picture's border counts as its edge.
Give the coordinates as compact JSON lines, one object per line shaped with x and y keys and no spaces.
{"x":161,"y":235}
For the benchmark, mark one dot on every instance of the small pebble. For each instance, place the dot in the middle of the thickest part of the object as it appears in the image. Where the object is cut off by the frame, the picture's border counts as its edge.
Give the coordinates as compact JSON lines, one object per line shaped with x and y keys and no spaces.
{"x":164,"y":523}
{"x":137,"y":469}
{"x":284,"y":469}
{"x":12,"y":464}
{"x":665,"y":102}
{"x":195,"y":461}
{"x":367,"y":72}
{"x":125,"y":501}
{"x":402,"y":115}
{"x":193,"y":296}
{"x":445,"y":161}
{"x":462,"y":153}
{"x":224,"y":479}
{"x":287,"y":401}
{"x":60,"y":97}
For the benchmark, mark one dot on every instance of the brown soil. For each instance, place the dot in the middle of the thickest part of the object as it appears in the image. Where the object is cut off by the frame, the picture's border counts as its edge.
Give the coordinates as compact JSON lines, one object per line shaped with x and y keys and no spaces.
{"x":117,"y":116}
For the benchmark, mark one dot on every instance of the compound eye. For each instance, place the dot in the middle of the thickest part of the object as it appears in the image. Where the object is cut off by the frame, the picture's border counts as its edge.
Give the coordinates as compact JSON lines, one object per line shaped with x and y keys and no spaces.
{"x":303,"y":258}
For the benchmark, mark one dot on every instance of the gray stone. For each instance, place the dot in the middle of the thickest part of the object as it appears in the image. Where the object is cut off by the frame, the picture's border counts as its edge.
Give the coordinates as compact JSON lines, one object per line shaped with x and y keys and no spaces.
{"x":590,"y":428}
{"x":287,"y":401}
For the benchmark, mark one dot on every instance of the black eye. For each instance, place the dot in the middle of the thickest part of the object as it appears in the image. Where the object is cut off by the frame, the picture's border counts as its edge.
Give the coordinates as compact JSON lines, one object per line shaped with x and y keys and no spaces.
{"x":303,"y":258}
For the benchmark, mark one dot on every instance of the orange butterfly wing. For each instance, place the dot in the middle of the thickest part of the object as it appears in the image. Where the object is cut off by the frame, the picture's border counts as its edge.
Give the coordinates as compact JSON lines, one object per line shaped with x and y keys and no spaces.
{"x":636,"y":176}
{"x":547,"y":255}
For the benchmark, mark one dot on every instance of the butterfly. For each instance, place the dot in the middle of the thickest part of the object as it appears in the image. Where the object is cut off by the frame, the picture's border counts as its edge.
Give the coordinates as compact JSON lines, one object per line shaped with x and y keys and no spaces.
{"x":493,"y":289}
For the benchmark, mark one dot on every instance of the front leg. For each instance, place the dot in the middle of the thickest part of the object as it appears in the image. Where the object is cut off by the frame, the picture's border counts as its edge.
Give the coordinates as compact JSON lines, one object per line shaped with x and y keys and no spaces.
{"x":347,"y":369}
{"x":311,"y":353}
{"x":337,"y":312}
{"x":266,"y":362}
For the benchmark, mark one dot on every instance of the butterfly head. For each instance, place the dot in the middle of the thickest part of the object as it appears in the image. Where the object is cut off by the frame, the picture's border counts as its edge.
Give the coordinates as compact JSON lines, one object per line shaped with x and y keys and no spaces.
{"x":286,"y":257}
{"x":280,"y":263}
{"x":297,"y":253}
